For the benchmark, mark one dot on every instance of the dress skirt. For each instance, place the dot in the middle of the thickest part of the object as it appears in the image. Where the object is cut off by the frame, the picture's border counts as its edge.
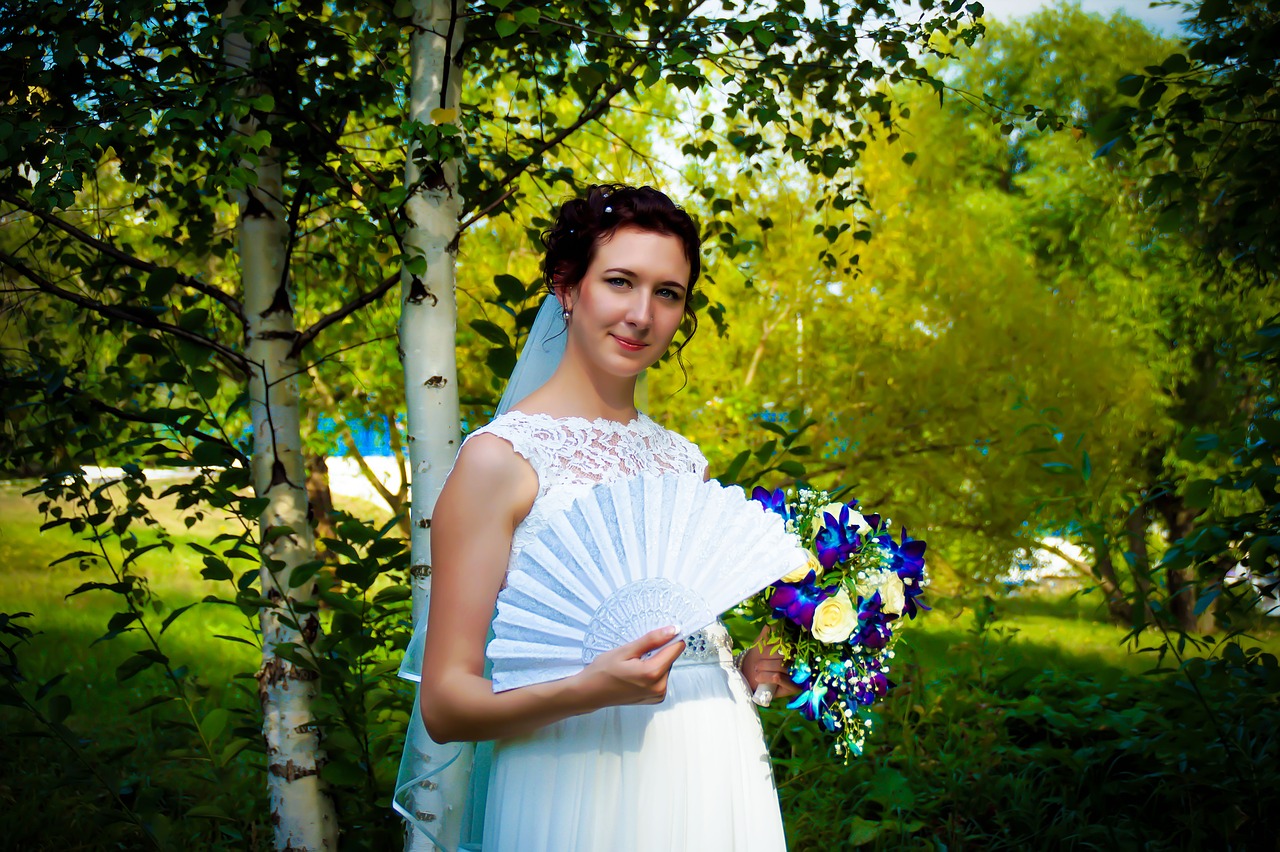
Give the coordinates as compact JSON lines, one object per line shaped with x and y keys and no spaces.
{"x":691,"y":773}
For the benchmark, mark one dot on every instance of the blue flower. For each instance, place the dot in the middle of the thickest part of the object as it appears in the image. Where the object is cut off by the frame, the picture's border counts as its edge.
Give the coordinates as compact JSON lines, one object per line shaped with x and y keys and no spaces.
{"x":906,"y":558}
{"x":817,"y":701}
{"x":837,"y":540}
{"x":773,"y":501}
{"x":797,"y":601}
{"x":873,"y":629}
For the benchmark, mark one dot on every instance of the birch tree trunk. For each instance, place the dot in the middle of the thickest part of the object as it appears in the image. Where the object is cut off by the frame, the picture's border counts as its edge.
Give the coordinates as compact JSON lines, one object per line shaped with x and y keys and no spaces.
{"x":301,"y":810}
{"x":428,"y":321}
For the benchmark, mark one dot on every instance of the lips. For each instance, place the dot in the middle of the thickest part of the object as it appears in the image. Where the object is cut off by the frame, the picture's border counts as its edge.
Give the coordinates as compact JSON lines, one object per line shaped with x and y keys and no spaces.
{"x":629,"y":344}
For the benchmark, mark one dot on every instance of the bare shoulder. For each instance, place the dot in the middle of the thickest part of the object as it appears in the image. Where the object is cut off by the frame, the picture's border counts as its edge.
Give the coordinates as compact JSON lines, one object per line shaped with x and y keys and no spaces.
{"x":490,"y":469}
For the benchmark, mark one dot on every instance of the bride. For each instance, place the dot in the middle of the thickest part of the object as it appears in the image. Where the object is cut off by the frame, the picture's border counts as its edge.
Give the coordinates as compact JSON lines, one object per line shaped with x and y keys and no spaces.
{"x":637,"y":752}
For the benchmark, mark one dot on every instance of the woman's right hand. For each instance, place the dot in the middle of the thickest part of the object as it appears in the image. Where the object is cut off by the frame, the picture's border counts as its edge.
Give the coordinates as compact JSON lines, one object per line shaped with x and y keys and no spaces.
{"x":624,"y":676}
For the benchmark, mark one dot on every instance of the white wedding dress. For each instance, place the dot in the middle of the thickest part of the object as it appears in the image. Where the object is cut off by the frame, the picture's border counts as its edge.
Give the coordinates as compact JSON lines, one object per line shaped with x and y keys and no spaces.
{"x":691,"y":773}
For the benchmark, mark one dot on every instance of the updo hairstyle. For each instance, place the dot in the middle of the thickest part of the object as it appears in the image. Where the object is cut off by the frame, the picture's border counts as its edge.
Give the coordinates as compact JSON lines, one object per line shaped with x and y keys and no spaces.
{"x":587,"y":222}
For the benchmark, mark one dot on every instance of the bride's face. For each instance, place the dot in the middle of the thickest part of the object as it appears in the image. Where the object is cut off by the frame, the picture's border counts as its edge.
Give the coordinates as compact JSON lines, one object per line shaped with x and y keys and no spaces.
{"x":630,"y":302}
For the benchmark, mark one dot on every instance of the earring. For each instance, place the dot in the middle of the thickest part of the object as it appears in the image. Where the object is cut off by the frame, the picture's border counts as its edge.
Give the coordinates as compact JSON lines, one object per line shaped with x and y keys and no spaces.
{"x":566,"y":314}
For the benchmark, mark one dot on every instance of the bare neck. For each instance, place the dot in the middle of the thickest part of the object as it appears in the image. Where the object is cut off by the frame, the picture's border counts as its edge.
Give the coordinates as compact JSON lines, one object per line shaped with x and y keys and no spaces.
{"x":577,"y":390}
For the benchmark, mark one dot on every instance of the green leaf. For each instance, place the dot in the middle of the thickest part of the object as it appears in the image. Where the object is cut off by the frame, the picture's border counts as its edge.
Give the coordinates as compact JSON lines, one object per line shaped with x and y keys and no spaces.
{"x":121,"y":620}
{"x":1130,"y":84}
{"x":153,"y":701}
{"x":341,"y":548}
{"x":1198,"y":493}
{"x":118,"y":588}
{"x":210,"y":812}
{"x":393,"y":594}
{"x":510,"y":288}
{"x":863,"y":831}
{"x":343,"y":773}
{"x":505,"y":26}
{"x":501,"y":361}
{"x":304,"y":572}
{"x":214,"y":723}
{"x":171,"y":617}
{"x":232,"y":749}
{"x":735,"y":467}
{"x":238,"y":639}
{"x":132,"y":666}
{"x":49,"y":685}
{"x":491,"y":332}
{"x":215,"y":569}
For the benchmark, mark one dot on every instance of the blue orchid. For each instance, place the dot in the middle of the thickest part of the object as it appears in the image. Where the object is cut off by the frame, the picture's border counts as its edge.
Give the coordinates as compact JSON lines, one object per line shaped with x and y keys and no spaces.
{"x":873,"y":629}
{"x":773,"y":501}
{"x":837,"y":540}
{"x":906,"y":558}
{"x":798,"y":601}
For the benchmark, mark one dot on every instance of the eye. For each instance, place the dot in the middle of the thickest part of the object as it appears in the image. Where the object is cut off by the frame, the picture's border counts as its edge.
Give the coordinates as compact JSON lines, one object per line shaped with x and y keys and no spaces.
{"x":617,"y":282}
{"x":669,"y":294}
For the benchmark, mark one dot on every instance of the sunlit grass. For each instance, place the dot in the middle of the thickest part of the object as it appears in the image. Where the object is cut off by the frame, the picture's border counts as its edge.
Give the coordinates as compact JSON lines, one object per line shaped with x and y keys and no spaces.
{"x":1032,"y":632}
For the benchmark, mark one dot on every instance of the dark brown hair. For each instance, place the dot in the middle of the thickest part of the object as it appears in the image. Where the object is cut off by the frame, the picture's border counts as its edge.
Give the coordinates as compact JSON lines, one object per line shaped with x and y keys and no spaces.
{"x":587,"y":222}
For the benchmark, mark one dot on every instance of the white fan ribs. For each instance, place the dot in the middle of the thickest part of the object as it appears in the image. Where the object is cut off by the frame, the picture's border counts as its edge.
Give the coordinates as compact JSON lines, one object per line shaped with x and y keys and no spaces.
{"x":628,"y":557}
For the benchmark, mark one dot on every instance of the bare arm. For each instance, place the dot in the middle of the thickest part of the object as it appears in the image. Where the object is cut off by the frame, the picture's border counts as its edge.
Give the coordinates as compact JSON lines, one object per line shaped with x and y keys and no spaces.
{"x":489,"y":492}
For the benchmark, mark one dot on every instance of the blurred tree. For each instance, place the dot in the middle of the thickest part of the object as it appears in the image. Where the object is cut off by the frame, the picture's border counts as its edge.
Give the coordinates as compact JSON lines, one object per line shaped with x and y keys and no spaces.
{"x":298,"y":146}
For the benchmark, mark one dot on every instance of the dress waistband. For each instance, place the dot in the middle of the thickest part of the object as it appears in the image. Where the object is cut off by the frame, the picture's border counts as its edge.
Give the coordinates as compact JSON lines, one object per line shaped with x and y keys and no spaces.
{"x":711,"y":644}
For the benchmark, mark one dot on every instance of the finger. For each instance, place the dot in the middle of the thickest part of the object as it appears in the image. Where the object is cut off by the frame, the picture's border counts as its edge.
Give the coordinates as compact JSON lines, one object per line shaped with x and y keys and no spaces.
{"x":780,"y":678}
{"x":649,"y":641}
{"x":667,"y":657}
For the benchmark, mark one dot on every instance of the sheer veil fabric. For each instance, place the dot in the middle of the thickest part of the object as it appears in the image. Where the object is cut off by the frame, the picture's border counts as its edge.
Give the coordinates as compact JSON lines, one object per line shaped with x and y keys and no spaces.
{"x":425,"y":766}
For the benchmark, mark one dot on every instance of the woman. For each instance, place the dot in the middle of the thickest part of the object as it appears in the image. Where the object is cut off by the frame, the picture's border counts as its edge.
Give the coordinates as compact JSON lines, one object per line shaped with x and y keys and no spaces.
{"x":656,"y":753}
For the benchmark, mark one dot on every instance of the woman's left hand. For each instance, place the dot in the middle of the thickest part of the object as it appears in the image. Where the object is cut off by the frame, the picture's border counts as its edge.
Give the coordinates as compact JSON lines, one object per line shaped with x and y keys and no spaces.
{"x":760,"y":666}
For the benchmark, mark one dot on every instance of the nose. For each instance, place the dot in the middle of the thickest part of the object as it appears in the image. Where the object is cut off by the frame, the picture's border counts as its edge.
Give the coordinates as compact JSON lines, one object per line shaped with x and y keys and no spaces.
{"x":640,"y":309}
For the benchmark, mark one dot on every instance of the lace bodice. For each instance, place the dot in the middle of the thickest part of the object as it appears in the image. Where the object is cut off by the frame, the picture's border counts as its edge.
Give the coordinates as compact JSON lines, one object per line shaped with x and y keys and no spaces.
{"x":571,"y":454}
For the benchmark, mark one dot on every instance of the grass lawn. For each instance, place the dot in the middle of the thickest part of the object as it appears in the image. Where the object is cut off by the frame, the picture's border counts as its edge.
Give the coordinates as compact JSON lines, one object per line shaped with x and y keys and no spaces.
{"x":45,"y":788}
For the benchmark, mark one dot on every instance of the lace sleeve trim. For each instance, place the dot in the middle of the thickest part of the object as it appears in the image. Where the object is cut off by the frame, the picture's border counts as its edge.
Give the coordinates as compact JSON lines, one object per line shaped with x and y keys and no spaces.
{"x":577,"y":451}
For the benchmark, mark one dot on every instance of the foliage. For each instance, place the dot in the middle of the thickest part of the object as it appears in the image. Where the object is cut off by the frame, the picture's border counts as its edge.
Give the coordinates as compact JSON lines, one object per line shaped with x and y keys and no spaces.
{"x":200,"y":782}
{"x":1205,"y":117}
{"x":1005,"y":756}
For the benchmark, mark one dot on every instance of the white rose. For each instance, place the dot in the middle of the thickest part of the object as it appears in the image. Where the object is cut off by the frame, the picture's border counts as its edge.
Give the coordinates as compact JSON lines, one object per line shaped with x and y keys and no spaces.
{"x":835,"y":618}
{"x":892,"y":596}
{"x":800,"y":573}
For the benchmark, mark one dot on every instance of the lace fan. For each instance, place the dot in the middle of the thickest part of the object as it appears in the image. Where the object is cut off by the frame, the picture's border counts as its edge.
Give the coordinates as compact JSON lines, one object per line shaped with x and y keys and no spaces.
{"x":628,"y":557}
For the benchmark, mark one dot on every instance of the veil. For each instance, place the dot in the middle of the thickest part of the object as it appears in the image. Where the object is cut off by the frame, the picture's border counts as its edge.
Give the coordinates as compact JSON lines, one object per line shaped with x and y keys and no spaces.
{"x":441,"y":789}
{"x":539,"y":356}
{"x":433,"y":778}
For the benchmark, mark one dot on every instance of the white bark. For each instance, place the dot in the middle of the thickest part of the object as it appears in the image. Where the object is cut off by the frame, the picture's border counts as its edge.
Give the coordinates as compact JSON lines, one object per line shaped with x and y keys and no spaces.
{"x":428,"y":322}
{"x":301,"y":810}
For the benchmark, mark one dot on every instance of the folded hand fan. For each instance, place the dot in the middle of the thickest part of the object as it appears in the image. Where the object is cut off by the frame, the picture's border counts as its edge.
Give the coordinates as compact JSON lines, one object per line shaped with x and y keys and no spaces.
{"x":628,"y":557}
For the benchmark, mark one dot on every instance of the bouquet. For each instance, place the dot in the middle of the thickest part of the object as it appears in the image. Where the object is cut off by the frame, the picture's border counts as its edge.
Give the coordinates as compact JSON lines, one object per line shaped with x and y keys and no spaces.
{"x":834,"y":620}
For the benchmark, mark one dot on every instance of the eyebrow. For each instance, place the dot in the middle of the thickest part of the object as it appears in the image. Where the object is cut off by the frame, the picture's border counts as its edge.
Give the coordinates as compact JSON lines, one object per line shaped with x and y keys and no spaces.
{"x":626,"y":271}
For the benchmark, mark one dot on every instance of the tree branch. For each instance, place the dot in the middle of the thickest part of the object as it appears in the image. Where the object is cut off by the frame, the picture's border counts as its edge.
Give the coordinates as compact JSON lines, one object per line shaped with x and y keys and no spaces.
{"x":589,"y":114}
{"x":305,"y":338}
{"x":106,"y":408}
{"x":127,"y":259}
{"x":139,"y":318}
